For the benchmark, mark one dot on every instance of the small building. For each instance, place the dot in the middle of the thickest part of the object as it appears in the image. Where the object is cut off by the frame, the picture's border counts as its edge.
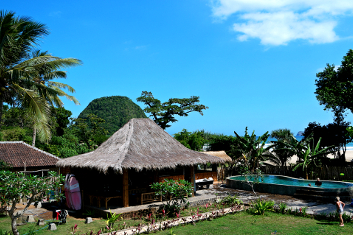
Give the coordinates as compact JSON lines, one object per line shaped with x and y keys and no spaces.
{"x":223,"y":155}
{"x":134,"y":157}
{"x":23,"y":157}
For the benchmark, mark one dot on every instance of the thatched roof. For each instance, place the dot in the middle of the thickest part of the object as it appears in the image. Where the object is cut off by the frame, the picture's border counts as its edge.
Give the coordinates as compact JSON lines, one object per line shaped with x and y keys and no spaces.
{"x":220,"y":154}
{"x":139,"y":144}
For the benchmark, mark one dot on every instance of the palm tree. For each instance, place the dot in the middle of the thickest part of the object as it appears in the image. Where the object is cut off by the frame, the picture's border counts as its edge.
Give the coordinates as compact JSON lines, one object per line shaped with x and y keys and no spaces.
{"x":281,"y":154}
{"x":45,"y":68}
{"x":27,"y":82}
{"x":17,"y":37}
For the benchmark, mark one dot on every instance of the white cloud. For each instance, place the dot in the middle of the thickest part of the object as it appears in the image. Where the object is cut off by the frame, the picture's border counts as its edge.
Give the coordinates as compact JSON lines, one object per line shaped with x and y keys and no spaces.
{"x":277,"y":22}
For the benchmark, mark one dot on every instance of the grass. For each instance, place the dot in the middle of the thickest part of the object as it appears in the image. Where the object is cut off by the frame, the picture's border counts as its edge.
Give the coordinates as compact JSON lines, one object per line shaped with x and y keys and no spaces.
{"x":238,"y":223}
{"x":5,"y":225}
{"x":270,"y":223}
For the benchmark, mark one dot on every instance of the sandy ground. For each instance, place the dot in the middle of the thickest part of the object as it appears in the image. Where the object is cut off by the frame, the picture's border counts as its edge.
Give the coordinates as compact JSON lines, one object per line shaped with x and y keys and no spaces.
{"x":349,"y":157}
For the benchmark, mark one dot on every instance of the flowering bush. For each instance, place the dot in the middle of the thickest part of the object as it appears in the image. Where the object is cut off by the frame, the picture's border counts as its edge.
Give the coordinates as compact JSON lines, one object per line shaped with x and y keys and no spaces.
{"x":174,"y":192}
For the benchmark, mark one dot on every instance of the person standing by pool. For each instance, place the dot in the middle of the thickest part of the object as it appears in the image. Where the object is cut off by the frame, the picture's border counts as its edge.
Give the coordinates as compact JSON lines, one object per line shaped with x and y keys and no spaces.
{"x":340,"y":205}
{"x":318,"y":182}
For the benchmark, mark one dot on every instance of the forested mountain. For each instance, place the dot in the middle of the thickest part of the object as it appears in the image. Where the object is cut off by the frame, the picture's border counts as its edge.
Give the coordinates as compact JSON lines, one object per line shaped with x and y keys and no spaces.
{"x":115,"y":110}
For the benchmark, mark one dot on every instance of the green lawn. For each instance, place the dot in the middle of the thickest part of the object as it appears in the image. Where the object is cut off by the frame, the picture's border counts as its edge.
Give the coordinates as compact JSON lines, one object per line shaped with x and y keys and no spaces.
{"x":5,"y":225}
{"x":238,"y":223}
{"x":271,"y":223}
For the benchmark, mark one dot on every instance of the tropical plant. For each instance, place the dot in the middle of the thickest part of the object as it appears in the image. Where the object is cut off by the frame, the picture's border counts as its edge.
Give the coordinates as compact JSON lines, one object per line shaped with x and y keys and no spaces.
{"x":14,"y":186}
{"x":334,"y":135}
{"x":163,"y":113}
{"x":46,"y":68}
{"x":175,"y":192}
{"x":112,"y":218}
{"x":309,"y":158}
{"x":251,"y":149}
{"x":231,"y":200}
{"x":250,"y":154}
{"x":281,"y":155}
{"x":260,"y":206}
{"x":18,"y":35}
{"x":282,"y":207}
{"x":24,"y":77}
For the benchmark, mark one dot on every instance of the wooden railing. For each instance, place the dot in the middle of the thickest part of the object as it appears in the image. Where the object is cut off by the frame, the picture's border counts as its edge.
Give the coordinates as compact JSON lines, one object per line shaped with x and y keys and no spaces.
{"x":150,"y":197}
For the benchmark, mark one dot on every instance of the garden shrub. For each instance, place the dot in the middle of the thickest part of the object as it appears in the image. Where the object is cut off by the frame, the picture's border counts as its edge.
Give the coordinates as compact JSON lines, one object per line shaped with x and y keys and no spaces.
{"x":231,"y":200}
{"x":175,"y":193}
{"x":260,"y":206}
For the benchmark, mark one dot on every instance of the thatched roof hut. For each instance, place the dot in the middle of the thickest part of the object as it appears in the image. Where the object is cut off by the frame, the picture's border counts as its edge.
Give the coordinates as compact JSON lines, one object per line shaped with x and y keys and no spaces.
{"x":220,"y":154}
{"x":140,"y":145}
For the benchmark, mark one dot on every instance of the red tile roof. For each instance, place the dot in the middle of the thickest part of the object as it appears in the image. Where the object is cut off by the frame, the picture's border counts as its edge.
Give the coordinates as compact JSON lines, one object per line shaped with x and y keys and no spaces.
{"x":18,"y":153}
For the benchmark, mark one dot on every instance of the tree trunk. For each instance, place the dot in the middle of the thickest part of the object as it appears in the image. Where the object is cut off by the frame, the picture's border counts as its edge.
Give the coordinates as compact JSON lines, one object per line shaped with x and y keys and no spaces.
{"x":1,"y":107}
{"x":14,"y":225}
{"x":34,"y":137}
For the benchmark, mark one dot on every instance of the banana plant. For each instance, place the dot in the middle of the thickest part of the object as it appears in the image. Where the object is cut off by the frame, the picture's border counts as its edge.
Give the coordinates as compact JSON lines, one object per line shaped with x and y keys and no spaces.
{"x":310,"y":157}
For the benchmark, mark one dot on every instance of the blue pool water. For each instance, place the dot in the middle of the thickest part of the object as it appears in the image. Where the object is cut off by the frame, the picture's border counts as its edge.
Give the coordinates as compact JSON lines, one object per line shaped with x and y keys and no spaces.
{"x":273,"y":179}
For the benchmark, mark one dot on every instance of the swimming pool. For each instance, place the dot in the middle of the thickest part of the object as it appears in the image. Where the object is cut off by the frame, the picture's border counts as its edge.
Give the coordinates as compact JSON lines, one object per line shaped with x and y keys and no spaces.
{"x":284,"y":185}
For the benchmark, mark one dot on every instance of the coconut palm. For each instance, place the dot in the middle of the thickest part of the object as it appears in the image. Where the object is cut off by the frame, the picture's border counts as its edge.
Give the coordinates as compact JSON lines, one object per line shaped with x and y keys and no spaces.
{"x":45,"y":68}
{"x":17,"y":38}
{"x":25,"y":77}
{"x":281,"y":155}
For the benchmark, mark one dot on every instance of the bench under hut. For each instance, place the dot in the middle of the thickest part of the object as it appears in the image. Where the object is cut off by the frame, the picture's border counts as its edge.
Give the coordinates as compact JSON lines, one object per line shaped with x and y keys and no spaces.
{"x":134,"y":157}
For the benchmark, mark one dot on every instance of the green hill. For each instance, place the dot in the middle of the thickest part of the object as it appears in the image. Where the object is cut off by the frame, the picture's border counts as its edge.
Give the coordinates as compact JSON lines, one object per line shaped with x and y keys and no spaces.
{"x":115,"y":110}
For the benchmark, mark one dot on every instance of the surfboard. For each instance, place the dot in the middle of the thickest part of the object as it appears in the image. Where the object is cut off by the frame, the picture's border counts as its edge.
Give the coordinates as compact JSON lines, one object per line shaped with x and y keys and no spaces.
{"x":72,"y":192}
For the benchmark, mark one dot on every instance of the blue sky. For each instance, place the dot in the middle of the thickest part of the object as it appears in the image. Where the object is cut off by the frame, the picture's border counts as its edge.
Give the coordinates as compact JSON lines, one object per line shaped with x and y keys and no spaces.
{"x":253,"y":62}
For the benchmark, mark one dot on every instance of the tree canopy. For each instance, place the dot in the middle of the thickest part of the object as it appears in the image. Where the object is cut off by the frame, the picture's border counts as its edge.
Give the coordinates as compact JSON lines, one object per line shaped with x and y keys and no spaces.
{"x":164,"y":113}
{"x":17,"y":185}
{"x":333,"y":136}
{"x":334,"y":85}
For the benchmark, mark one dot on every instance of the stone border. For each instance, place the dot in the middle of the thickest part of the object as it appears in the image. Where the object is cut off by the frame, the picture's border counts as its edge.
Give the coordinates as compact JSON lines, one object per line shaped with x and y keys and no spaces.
{"x":175,"y":222}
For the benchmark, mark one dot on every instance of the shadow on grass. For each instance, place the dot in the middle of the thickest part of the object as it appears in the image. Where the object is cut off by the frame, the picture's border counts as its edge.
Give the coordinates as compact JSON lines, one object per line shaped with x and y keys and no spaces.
{"x":326,"y":223}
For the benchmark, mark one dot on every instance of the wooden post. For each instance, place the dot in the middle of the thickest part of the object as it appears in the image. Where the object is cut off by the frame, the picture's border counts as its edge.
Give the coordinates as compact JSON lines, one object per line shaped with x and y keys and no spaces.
{"x":125,"y":188}
{"x":192,"y":179}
